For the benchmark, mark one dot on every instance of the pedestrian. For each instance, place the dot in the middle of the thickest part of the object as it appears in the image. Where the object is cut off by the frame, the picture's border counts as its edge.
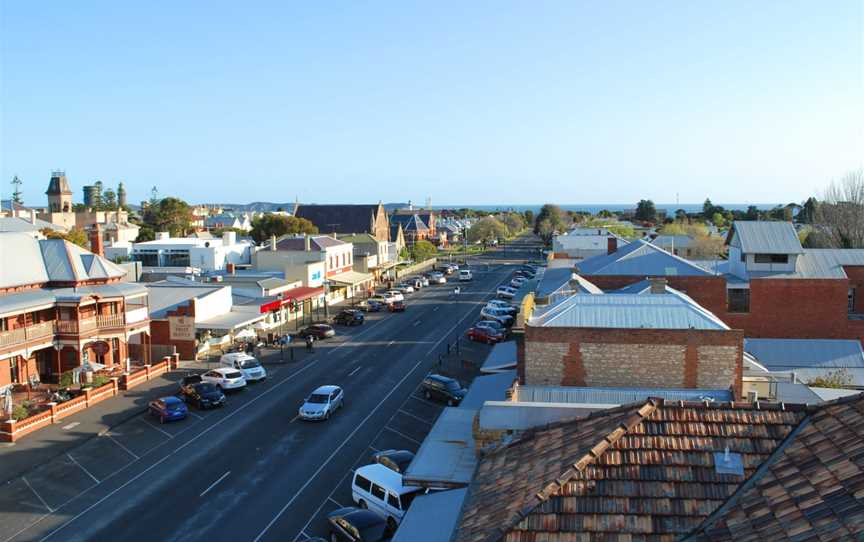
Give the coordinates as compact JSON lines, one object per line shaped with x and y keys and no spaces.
{"x":310,"y":340}
{"x":457,"y":291}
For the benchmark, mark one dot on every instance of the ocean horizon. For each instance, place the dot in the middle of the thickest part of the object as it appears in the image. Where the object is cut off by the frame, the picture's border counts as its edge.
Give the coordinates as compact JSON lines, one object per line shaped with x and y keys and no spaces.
{"x":595,"y":208}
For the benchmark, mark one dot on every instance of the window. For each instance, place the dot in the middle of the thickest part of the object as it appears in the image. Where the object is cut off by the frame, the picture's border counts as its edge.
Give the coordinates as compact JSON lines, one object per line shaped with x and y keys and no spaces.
{"x":851,"y":300}
{"x":771,"y":258}
{"x":13,"y":369}
{"x":393,"y":501}
{"x":363,"y":483}
{"x":407,"y":498}
{"x":378,"y":492}
{"x":738,"y":300}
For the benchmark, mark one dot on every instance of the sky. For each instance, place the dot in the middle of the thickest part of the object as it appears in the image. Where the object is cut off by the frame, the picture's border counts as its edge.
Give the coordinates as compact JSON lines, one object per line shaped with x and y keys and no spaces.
{"x":462,"y":102}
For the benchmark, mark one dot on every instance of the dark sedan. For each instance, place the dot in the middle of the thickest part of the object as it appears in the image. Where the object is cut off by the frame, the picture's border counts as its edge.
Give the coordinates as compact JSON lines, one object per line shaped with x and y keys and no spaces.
{"x":319,"y":331}
{"x":202,"y":395}
{"x":395,"y":460}
{"x":356,"y":525}
{"x":349,"y":317}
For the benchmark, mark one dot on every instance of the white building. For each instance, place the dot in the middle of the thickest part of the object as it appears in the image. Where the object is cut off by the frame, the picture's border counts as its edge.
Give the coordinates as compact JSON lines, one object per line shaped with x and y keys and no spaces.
{"x":584,"y":243}
{"x":204,"y":255}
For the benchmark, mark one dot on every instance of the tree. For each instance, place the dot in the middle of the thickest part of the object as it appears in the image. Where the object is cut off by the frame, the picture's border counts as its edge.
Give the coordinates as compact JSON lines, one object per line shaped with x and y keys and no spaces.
{"x":556,"y":218}
{"x":832,"y":379}
{"x":514,"y":221}
{"x":645,"y":211}
{"x":169,"y":214}
{"x":680,"y":215}
{"x":17,"y":199}
{"x":808,"y":211}
{"x":718,"y":219}
{"x":423,"y":250}
{"x":108,"y":200}
{"x":528,"y":215}
{"x":265,"y":226}
{"x":145,"y":233}
{"x":605,"y":213}
{"x":75,"y":236}
{"x":752,"y":213}
{"x":486,"y":229}
{"x":708,"y":209}
{"x":841,"y":214}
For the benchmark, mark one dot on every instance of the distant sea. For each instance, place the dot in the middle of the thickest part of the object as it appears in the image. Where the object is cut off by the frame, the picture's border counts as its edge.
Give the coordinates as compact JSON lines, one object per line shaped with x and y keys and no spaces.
{"x":595,"y":208}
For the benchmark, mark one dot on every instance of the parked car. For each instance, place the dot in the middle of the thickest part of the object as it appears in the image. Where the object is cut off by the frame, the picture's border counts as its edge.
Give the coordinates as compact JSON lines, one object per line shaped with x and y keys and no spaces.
{"x":404,"y":288}
{"x":415,"y":282}
{"x":349,"y":317}
{"x":491,"y":313}
{"x":202,"y":394}
{"x":381,"y":298}
{"x":225,"y":378}
{"x":502,"y":304}
{"x":322,"y":403}
{"x":396,"y":295}
{"x":506,"y":292}
{"x":485,"y":335}
{"x":168,"y":409}
{"x":319,"y":331}
{"x":356,"y":525}
{"x":397,"y":306}
{"x":372,"y":305}
{"x":395,"y":460}
{"x":443,"y":389}
{"x":246,"y":364}
{"x":505,"y":309}
{"x":493,"y":325}
{"x":518,"y":282}
{"x":465,"y":275}
{"x":380,"y":489}
{"x":424,"y":280}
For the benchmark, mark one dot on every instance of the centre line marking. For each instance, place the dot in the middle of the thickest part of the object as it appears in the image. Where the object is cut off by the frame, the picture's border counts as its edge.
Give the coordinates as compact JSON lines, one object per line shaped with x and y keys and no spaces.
{"x":214,"y":483}
{"x":390,"y":343}
{"x":352,"y":373}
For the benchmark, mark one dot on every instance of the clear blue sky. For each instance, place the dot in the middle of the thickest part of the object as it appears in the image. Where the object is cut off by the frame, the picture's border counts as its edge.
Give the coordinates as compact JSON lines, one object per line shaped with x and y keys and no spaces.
{"x":464,"y":102}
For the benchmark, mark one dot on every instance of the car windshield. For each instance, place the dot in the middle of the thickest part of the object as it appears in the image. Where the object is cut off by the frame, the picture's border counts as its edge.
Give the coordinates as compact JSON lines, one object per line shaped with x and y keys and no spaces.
{"x":452,"y":385}
{"x":205,"y":388}
{"x":233,"y":374}
{"x":317,"y":398}
{"x":249,"y":363}
{"x":174,"y":406}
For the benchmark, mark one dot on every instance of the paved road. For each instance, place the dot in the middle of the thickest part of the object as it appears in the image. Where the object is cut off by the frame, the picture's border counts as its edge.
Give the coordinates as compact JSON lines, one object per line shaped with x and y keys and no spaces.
{"x":252,"y":471}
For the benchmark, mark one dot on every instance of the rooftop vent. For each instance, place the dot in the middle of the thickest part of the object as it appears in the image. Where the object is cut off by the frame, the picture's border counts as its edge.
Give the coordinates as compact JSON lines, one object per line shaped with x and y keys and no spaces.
{"x":727,"y":462}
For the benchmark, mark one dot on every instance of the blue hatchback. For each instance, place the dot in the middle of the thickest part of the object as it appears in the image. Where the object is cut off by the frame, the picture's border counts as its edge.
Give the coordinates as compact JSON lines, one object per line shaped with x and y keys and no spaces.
{"x":168,"y":409}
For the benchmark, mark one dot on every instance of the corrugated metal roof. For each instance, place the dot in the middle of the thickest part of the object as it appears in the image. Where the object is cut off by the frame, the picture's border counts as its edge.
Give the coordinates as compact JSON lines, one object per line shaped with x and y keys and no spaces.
{"x":557,"y":280}
{"x":502,"y":356}
{"x":766,"y":237}
{"x":30,"y":299}
{"x":22,"y":261}
{"x":167,"y":295}
{"x":432,"y":517}
{"x":613,"y":396}
{"x":819,"y":263}
{"x":447,"y":454}
{"x":488,"y":388}
{"x":22,"y":225}
{"x":627,"y":311}
{"x":793,"y":354}
{"x":677,"y":241}
{"x":230,"y":320}
{"x":22,"y":301}
{"x":640,"y":258}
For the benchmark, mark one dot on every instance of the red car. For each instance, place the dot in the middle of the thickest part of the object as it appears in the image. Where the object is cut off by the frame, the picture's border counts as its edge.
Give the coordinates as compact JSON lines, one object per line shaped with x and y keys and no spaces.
{"x":484,"y":335}
{"x":397,"y":306}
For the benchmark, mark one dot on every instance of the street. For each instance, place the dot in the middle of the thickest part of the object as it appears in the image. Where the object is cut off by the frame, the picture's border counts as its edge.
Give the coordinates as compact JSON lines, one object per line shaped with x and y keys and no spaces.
{"x":253,"y":471}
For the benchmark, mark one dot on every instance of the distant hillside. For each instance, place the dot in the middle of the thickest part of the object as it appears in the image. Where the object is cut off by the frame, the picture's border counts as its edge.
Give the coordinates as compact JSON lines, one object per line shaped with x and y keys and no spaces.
{"x":266,"y":206}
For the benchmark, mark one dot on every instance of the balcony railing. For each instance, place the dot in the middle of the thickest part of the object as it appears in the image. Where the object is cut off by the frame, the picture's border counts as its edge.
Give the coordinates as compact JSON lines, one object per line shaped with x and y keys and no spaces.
{"x":25,"y":334}
{"x":76,"y":326}
{"x":110,"y":320}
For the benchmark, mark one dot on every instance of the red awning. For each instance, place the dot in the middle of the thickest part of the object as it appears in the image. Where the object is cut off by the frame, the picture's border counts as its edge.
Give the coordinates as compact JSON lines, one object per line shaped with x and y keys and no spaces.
{"x":295,"y":294}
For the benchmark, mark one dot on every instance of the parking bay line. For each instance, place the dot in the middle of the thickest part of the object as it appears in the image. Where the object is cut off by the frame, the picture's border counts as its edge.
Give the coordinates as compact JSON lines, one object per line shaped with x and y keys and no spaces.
{"x":166,"y":433}
{"x":418,"y":418}
{"x":403,"y":435}
{"x":211,"y":486}
{"x":117,"y":442}
{"x":352,"y":373}
{"x":87,"y":472}
{"x":38,"y":496}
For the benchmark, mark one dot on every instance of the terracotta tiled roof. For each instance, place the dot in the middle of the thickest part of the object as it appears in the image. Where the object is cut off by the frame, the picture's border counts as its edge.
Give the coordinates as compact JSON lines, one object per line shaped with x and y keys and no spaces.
{"x":812,"y":489}
{"x":639,"y":472}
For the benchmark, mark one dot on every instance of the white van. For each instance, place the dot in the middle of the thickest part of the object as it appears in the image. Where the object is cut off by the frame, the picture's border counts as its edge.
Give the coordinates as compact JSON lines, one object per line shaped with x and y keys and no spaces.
{"x":380,"y":489}
{"x":465,"y":275}
{"x":246,"y":364}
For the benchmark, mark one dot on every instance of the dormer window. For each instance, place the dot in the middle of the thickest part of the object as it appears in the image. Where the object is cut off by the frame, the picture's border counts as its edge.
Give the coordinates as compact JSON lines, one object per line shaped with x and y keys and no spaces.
{"x":771,"y":258}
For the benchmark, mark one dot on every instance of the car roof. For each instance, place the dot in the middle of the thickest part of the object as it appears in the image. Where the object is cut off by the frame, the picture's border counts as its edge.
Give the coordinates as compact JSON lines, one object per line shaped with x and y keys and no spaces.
{"x":397,"y":454}
{"x":380,"y":474}
{"x":358,"y":517}
{"x":441,"y":378}
{"x":237,"y":355}
{"x":170,"y":399}
{"x":328,"y":389}
{"x":223,"y":370}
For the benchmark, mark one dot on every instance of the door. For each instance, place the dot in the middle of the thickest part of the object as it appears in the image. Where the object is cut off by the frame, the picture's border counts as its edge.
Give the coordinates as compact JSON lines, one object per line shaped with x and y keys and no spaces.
{"x":45,"y":364}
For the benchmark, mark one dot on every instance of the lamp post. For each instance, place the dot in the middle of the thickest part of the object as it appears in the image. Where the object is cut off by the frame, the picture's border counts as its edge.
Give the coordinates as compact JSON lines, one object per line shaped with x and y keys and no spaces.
{"x":326,"y":293}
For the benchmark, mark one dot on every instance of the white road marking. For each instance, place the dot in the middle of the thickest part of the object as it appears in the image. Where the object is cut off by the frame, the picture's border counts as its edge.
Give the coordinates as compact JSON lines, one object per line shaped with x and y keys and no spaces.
{"x":403,"y":435}
{"x":87,"y":472}
{"x":295,"y":418}
{"x":417,"y":323}
{"x":38,"y":496}
{"x":72,"y":425}
{"x":211,"y":486}
{"x":117,"y":442}
{"x":435,"y":308}
{"x":352,"y":373}
{"x":418,"y":418}
{"x":331,"y":499}
{"x":194,"y":415}
{"x":166,"y":433}
{"x":412,"y":396}
{"x":390,"y":343}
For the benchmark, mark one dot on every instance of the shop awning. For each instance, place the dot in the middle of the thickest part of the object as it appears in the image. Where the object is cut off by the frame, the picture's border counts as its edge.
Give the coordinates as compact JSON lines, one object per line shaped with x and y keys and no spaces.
{"x":230,"y":320}
{"x":351,"y":278}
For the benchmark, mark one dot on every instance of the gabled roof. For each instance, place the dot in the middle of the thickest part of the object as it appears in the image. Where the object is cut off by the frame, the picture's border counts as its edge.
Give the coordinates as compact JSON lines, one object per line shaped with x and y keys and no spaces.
{"x":627,"y":311}
{"x":648,"y":471}
{"x":165,"y":296}
{"x":318,"y":242}
{"x":765,"y":237}
{"x":791,"y":354}
{"x":557,"y":280}
{"x":339,"y":218}
{"x":641,"y":259}
{"x":818,"y":263}
{"x":22,"y":225}
{"x":410,"y":223}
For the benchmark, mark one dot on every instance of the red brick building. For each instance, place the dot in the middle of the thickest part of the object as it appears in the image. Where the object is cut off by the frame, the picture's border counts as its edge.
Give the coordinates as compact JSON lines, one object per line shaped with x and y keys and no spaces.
{"x":769,"y":287}
{"x":61,"y":307}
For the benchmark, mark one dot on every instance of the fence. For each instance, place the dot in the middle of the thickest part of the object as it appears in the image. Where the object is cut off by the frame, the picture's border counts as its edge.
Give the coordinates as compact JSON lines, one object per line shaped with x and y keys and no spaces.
{"x":417,"y":267}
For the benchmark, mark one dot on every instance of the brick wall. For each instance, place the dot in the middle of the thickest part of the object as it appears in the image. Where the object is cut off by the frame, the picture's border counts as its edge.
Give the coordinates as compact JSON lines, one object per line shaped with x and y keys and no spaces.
{"x":856,"y":280}
{"x":160,"y":333}
{"x":631,"y":358}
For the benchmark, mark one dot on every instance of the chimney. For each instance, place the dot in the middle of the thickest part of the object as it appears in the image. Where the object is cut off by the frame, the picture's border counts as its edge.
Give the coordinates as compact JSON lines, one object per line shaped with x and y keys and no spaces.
{"x":33,"y":216}
{"x":273,"y":243}
{"x":229,"y":267}
{"x":229,"y":238}
{"x":307,"y":243}
{"x":611,"y":244}
{"x":658,"y":285}
{"x":96,"y":240}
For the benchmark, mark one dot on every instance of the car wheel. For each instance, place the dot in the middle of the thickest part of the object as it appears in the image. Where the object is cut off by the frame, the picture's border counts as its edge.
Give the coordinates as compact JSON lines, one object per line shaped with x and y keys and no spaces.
{"x":362,"y":504}
{"x":161,"y":419}
{"x":449,"y":402}
{"x":427,"y":395}
{"x":391,"y":525}
{"x":327,"y":415}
